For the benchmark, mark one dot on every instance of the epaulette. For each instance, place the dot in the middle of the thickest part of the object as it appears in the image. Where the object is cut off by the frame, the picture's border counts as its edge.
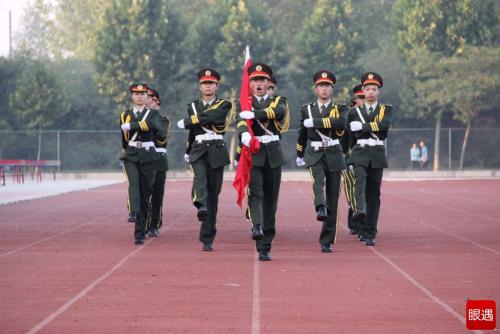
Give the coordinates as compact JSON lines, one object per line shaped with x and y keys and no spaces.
{"x":276,"y":96}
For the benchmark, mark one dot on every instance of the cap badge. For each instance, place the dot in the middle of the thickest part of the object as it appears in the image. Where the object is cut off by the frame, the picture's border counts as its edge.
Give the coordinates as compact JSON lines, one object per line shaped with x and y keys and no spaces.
{"x":324,"y":75}
{"x":370,"y":76}
{"x":207,"y":73}
{"x":258,"y":68}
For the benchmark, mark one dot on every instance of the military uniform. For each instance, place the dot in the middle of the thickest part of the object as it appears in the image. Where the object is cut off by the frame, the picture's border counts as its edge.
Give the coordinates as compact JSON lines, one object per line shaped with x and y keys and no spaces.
{"x":324,"y":157}
{"x":369,"y":159}
{"x":271,"y":118}
{"x":207,"y":155}
{"x":349,"y":180}
{"x":140,"y":159}
{"x":156,"y":213}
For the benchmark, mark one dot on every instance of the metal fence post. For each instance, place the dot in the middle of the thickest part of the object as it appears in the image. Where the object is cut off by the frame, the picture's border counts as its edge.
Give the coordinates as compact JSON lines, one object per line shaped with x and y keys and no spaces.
{"x":59,"y":149}
{"x":449,"y":148}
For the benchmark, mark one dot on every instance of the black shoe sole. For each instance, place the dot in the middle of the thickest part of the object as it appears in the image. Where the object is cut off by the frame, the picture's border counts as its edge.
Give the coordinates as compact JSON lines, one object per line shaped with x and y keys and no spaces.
{"x":138,"y":242}
{"x":321,"y":218}
{"x":359,"y":217}
{"x":264,"y":258}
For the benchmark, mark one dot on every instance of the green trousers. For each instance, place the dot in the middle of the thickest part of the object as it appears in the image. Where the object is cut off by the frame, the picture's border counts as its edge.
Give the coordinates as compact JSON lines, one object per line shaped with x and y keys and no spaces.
{"x":263,"y":193}
{"x":156,"y":204}
{"x":207,"y":184}
{"x":141,"y":178}
{"x":350,"y":190}
{"x":326,"y":189}
{"x":367,"y":197}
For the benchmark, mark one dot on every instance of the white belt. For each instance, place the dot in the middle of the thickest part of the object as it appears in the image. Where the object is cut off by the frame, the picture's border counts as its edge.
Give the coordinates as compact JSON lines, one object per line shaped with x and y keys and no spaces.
{"x":267,"y":138}
{"x":208,"y":136}
{"x":324,"y":144}
{"x":161,"y":149}
{"x":141,"y":144}
{"x":370,"y":142}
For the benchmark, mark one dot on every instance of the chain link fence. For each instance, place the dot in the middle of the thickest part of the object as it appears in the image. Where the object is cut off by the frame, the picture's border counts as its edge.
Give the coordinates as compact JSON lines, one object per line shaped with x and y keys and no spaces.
{"x":85,"y":151}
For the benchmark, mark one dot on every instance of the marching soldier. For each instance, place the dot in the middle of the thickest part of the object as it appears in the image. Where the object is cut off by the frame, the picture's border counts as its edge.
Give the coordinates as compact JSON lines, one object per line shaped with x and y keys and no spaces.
{"x":207,"y":122}
{"x":140,"y":126}
{"x":323,"y":123}
{"x":156,"y":212}
{"x":369,"y":124}
{"x":270,"y":118}
{"x":347,"y":143}
{"x":271,"y":91}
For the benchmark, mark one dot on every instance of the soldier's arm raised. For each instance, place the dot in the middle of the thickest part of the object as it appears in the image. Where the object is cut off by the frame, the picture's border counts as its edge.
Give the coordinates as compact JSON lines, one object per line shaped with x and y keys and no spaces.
{"x":382,"y":120}
{"x":274,"y":111}
{"x":336,"y":123}
{"x":210,"y":116}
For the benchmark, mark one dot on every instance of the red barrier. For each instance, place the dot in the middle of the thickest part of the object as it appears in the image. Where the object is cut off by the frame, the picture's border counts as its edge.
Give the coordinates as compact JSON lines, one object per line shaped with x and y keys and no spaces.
{"x":34,"y":168}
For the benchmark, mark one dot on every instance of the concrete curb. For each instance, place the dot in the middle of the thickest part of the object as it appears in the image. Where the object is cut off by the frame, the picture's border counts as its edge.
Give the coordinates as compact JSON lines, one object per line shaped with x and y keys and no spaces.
{"x":300,"y":175}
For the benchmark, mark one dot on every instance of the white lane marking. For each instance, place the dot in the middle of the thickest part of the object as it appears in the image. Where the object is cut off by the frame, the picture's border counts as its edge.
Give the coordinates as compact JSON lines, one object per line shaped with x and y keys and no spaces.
{"x":408,"y":277}
{"x":443,"y":231}
{"x":422,"y":288}
{"x":256,"y":296}
{"x":91,"y":286}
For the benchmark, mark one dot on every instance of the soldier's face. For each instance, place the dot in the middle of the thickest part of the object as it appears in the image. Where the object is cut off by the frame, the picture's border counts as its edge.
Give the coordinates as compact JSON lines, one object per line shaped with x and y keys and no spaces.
{"x":270,"y":90}
{"x":149,"y":101}
{"x":358,"y":101}
{"x":153,"y":104}
{"x":371,"y":93}
{"x":208,"y":88}
{"x":139,"y":99}
{"x":259,"y":86}
{"x":324,"y":92}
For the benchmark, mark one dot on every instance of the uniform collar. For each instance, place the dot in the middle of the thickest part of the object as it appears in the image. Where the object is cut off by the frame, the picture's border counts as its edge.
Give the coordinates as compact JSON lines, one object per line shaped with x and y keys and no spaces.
{"x":209,"y":102}
{"x":136,"y":110}
{"x":374,"y":106}
{"x":265,"y":97}
{"x":327,"y":104}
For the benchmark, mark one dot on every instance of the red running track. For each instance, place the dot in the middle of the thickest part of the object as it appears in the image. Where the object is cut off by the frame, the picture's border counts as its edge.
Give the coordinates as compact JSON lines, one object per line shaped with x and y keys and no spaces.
{"x":68,"y":265}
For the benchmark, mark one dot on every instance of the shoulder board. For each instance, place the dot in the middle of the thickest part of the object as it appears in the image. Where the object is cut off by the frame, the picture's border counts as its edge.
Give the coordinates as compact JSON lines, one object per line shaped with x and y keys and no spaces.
{"x":340,"y":104}
{"x":387,"y":105}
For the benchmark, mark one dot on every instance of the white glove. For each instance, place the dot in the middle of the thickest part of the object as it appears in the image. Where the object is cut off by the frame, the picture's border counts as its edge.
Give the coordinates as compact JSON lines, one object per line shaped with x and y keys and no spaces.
{"x":300,"y":162}
{"x":235,"y":163}
{"x":245,"y":139}
{"x":186,"y":157}
{"x":180,"y":124}
{"x":356,"y":125}
{"x":125,"y":126}
{"x":247,"y":115}
{"x":308,"y":123}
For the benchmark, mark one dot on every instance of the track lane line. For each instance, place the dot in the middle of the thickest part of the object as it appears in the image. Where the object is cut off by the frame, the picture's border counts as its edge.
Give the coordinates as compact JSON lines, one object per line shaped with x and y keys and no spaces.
{"x":256,"y":296}
{"x":412,"y":280}
{"x":442,"y":231}
{"x":40,"y":325}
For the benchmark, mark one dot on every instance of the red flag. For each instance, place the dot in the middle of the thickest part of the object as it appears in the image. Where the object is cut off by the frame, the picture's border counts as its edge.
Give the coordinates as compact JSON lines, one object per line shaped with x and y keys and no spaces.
{"x":242,"y":177}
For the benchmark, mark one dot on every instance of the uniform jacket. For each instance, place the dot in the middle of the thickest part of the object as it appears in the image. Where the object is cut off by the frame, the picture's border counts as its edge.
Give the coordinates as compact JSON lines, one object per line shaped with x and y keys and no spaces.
{"x":147,"y":130}
{"x":210,"y":118}
{"x":378,"y":123}
{"x":331,"y":123}
{"x":270,"y":111}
